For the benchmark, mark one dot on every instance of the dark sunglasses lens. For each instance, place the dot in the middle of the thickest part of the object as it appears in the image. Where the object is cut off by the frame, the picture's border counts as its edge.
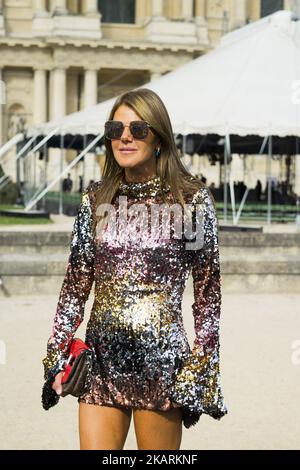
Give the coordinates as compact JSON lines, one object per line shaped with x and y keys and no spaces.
{"x":139,"y":130}
{"x":113,"y":130}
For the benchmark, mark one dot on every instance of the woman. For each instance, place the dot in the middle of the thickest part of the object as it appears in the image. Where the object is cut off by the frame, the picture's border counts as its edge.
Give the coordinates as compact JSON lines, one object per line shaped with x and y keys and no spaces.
{"x":143,"y":364}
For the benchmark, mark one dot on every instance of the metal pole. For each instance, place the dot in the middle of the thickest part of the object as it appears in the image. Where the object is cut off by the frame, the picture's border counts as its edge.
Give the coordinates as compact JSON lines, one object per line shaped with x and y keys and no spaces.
{"x":34,"y":170}
{"x":45,"y":152}
{"x":83,"y":161}
{"x":25,"y":172}
{"x":67,"y":168}
{"x":232,"y":198}
{"x":241,"y":206}
{"x":247,"y":190}
{"x":231,"y":187}
{"x":60,"y":209}
{"x":183,"y":145}
{"x":94,"y":165}
{"x":18,"y":178}
{"x":225,"y":181}
{"x":40,"y":144}
{"x":31,"y":170}
{"x":183,"y":150}
{"x":269,"y":180}
{"x":11,"y":143}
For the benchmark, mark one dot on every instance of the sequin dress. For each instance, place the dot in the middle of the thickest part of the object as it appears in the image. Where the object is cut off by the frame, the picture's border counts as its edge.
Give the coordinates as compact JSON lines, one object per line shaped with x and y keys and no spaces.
{"x":142,"y":358}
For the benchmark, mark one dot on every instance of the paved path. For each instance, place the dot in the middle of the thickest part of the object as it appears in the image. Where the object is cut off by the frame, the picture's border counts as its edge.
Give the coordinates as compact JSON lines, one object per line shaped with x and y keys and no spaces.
{"x":260,"y":382}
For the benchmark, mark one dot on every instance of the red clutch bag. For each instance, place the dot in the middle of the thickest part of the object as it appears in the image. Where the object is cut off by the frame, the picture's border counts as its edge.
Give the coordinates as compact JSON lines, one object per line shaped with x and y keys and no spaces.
{"x":78,"y":369}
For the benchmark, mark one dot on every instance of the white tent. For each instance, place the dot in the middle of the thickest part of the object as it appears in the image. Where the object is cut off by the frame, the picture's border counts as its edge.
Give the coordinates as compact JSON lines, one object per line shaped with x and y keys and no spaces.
{"x":247,"y":85}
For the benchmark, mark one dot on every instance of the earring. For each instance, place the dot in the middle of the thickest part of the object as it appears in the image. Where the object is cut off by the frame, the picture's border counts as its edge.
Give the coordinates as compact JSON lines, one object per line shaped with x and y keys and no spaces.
{"x":157,"y":152}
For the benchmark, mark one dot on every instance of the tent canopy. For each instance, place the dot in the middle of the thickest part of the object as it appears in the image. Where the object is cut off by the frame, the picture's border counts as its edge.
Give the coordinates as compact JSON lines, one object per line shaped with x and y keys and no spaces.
{"x":246,"y":86}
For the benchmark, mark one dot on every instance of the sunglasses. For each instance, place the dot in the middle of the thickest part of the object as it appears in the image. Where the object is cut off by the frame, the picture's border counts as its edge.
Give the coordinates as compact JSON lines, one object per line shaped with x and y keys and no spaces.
{"x":138,"y":129}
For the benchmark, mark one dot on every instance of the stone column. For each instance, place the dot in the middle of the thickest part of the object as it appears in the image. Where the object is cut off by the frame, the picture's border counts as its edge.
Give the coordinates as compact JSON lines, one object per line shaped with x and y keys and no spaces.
{"x":40,"y":8}
{"x":90,"y":99}
{"x":187,"y":10}
{"x":40,"y":96}
{"x":8,"y":161}
{"x":90,"y":87}
{"x":240,"y":13}
{"x":58,"y":99}
{"x":162,"y":29}
{"x":91,"y":8}
{"x":157,"y":9}
{"x":58,"y":111}
{"x":60,"y":7}
{"x":2,"y":29}
{"x":201,"y":24}
{"x":200,"y":8}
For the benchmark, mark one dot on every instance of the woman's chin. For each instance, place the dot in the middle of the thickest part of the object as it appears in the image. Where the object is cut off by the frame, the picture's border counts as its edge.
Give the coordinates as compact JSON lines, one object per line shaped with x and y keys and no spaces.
{"x":124,"y":163}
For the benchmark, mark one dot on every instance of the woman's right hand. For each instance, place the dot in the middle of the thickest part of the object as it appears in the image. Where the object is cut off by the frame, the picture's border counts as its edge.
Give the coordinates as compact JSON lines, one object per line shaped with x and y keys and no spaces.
{"x":57,"y":383}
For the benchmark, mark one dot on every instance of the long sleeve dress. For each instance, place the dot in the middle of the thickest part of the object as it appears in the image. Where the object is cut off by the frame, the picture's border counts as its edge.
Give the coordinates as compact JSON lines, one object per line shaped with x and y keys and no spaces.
{"x":142,"y":358}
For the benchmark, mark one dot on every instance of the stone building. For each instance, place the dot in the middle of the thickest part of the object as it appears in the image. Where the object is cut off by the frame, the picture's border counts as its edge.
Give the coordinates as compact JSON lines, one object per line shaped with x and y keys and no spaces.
{"x":59,"y":56}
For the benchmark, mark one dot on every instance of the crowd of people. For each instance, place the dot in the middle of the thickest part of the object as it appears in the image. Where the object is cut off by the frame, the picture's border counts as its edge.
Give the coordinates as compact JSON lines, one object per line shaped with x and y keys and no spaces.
{"x":281,"y":191}
{"x":68,"y":184}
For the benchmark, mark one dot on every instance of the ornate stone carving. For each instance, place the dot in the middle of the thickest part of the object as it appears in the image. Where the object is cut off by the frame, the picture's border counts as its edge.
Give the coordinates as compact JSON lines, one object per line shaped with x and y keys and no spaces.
{"x":16,"y":124}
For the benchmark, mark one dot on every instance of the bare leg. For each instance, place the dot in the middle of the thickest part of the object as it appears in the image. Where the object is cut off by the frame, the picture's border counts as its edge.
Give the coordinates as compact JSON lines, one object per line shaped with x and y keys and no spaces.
{"x":103,"y":427}
{"x":158,"y":430}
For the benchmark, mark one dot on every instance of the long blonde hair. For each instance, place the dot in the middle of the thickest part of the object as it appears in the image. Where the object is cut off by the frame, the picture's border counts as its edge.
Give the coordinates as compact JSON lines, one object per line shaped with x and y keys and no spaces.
{"x":149,"y":107}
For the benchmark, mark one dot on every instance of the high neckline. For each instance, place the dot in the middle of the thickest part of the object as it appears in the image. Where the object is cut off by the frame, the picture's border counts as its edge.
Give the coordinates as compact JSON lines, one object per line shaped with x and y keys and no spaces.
{"x":148,"y":188}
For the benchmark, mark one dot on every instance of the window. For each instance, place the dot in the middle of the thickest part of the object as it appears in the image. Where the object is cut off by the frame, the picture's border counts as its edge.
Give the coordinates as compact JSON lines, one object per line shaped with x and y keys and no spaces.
{"x":117,"y":11}
{"x":267,"y":7}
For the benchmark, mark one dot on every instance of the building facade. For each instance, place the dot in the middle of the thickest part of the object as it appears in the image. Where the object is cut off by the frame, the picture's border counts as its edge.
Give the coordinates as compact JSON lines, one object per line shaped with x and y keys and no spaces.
{"x":60,"y":56}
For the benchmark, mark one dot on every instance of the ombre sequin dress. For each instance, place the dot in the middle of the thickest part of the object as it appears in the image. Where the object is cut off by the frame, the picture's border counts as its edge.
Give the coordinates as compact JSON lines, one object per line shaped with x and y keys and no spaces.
{"x":142,"y":358}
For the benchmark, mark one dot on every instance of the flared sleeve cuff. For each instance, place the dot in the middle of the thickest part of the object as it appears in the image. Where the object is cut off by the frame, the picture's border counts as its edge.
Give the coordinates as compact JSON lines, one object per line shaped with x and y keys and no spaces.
{"x":53,"y":364}
{"x":197,"y":387}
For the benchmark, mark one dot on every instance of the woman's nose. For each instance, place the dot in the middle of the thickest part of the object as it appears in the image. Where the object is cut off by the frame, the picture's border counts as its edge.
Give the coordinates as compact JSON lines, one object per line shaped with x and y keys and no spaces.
{"x":126,"y":133}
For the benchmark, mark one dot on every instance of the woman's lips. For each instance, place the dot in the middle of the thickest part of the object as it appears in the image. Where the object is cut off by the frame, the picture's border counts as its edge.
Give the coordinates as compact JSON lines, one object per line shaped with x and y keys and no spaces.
{"x":125,"y":151}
